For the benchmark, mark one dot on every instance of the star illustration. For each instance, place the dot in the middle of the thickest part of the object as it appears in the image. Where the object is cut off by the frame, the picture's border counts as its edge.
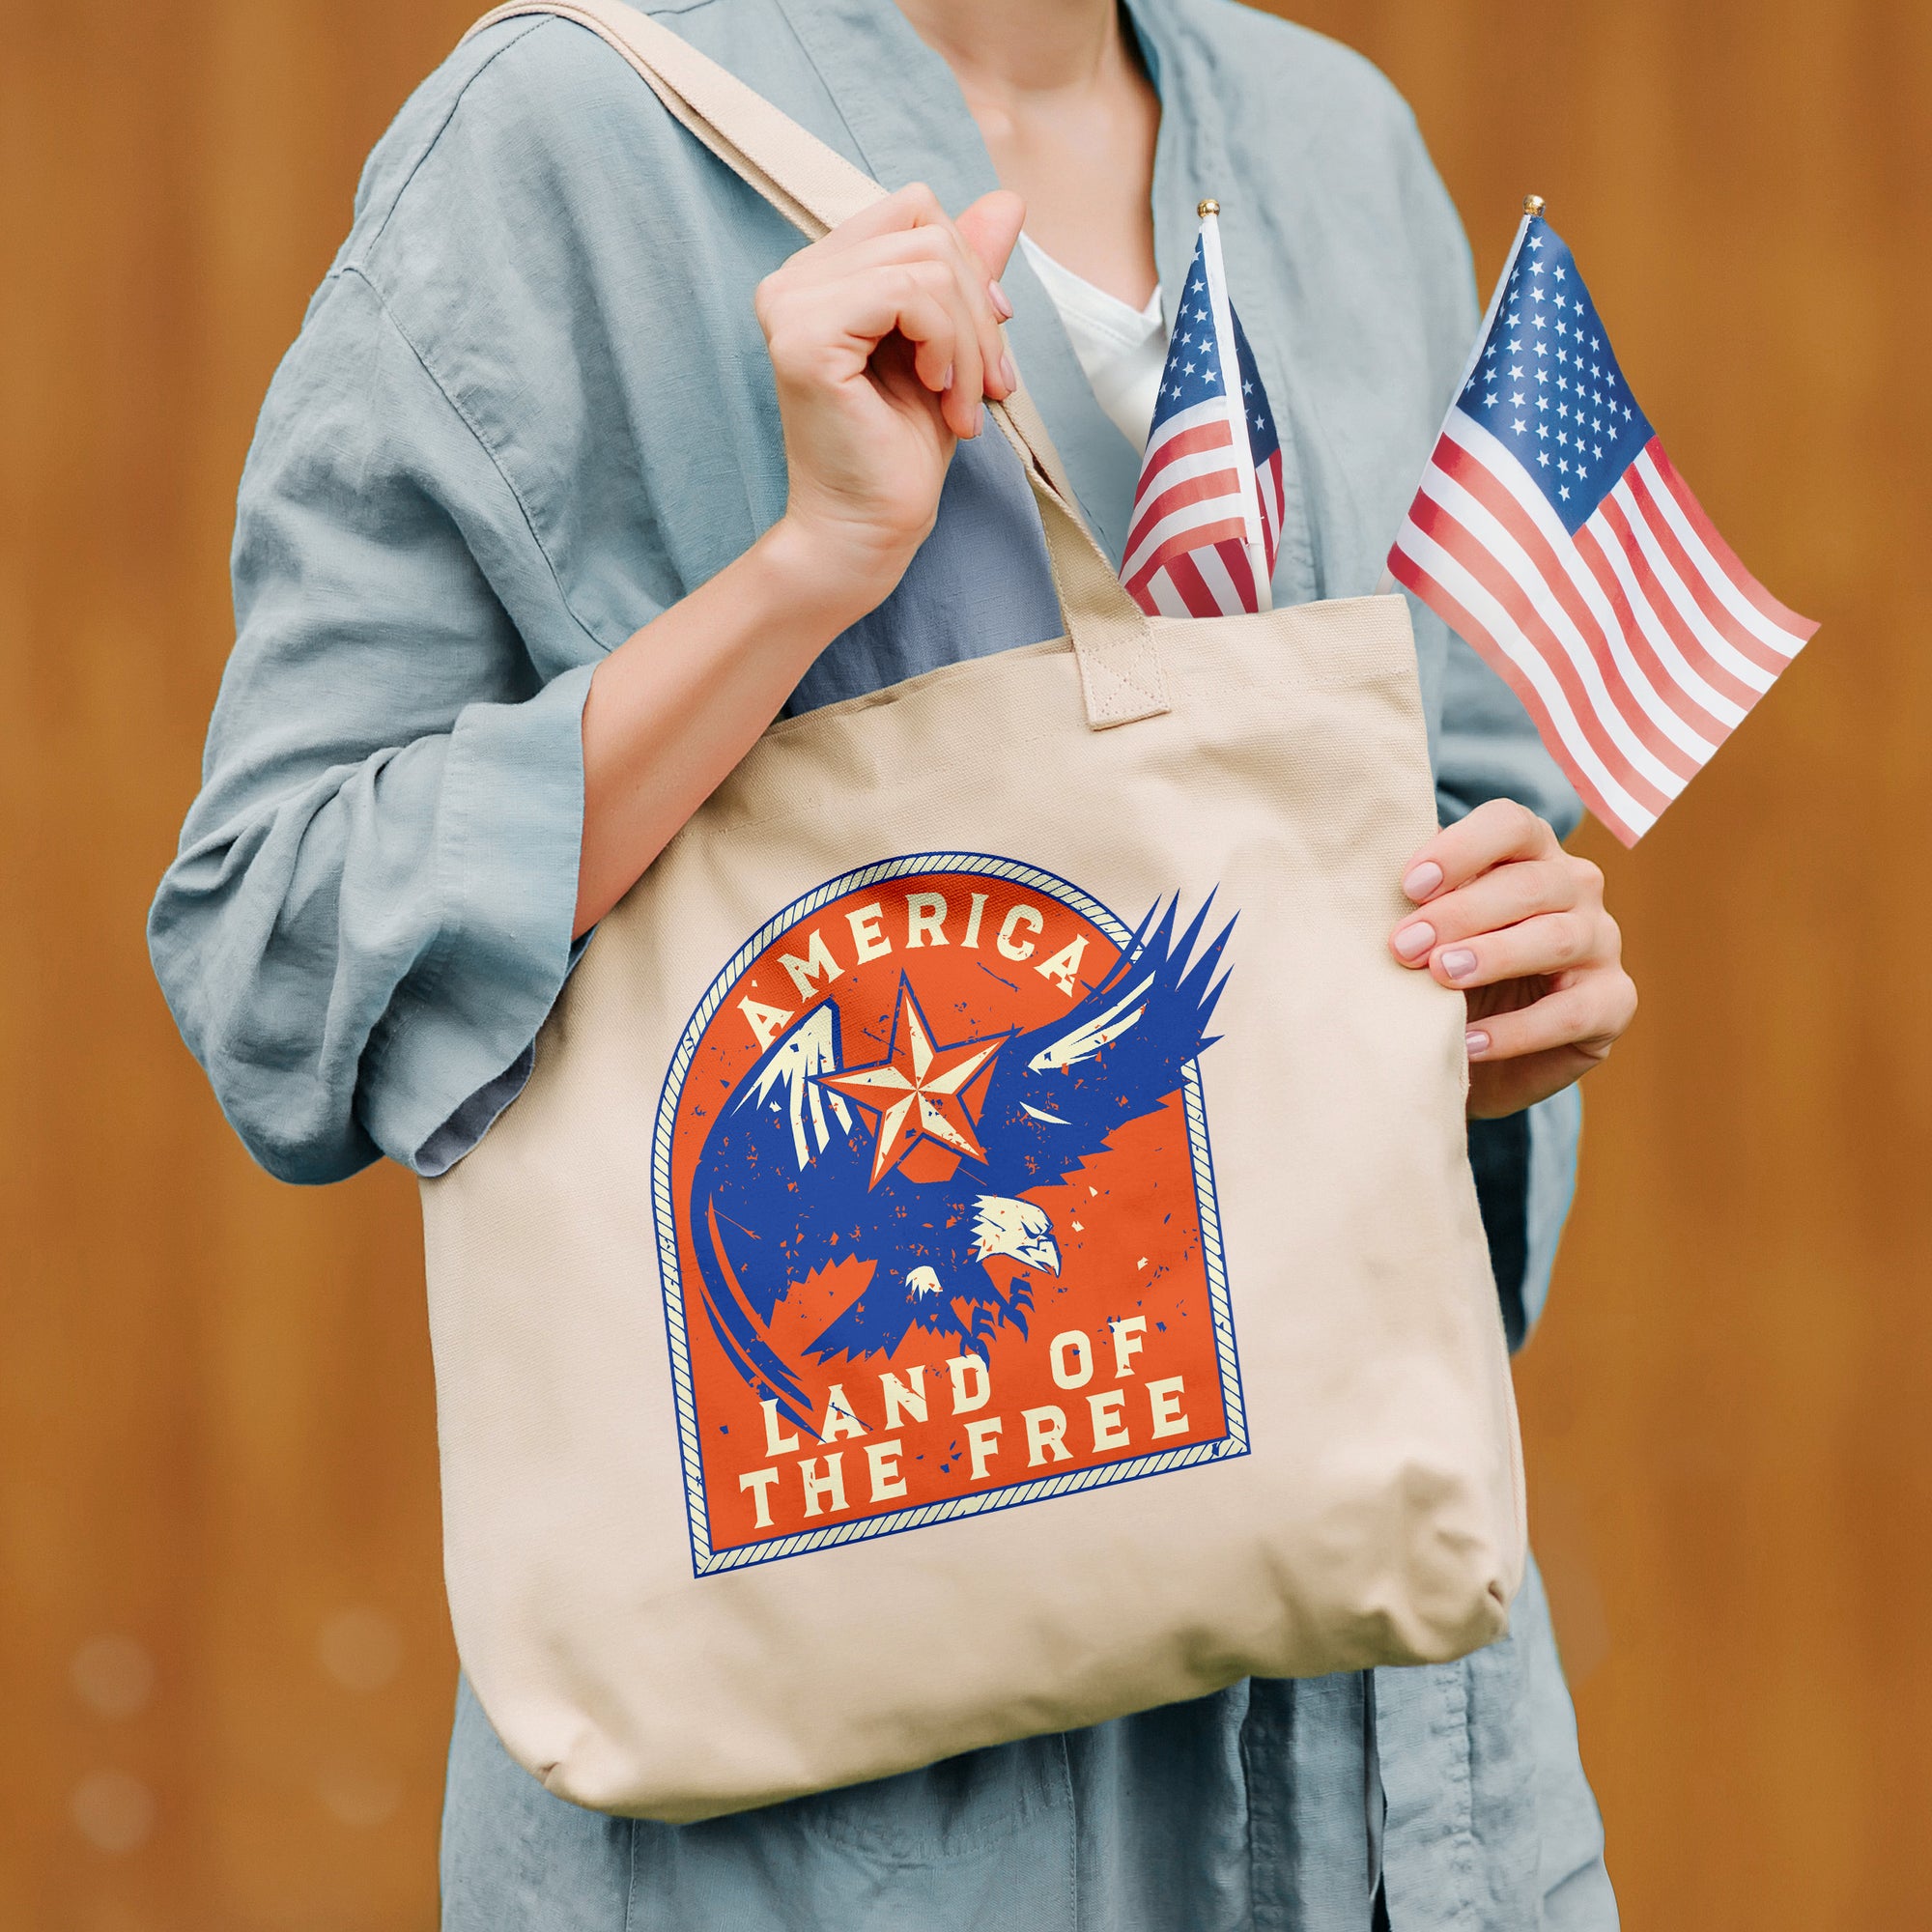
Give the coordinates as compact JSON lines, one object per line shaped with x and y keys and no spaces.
{"x":917,"y":1090}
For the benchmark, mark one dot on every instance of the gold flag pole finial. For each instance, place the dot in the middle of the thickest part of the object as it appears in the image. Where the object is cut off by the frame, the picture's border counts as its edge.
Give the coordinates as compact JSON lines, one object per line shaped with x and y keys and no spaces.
{"x":1532,"y":205}
{"x":1208,"y":207}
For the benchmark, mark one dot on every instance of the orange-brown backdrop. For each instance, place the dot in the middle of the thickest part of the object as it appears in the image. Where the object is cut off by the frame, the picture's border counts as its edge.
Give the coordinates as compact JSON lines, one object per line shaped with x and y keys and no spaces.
{"x":225,"y":1670}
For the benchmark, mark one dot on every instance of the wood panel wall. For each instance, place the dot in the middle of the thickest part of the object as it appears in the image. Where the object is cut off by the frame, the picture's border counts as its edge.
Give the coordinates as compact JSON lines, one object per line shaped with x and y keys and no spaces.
{"x":226,"y":1670}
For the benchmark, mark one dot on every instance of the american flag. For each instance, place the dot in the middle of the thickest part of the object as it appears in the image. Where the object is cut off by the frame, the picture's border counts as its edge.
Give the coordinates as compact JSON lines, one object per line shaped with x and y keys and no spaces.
{"x":1553,"y":533}
{"x":1207,"y":517}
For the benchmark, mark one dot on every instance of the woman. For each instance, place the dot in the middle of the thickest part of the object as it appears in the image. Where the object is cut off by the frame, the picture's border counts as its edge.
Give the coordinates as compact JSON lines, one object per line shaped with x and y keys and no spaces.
{"x":579,"y":472}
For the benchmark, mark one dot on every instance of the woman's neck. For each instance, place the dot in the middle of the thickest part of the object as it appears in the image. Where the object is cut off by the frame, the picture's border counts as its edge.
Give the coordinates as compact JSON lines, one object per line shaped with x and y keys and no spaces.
{"x":1021,"y":47}
{"x":1069,"y":119}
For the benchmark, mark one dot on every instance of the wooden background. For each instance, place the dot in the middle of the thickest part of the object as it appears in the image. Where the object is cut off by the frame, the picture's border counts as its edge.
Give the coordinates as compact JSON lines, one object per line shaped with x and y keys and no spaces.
{"x":225,"y":1670}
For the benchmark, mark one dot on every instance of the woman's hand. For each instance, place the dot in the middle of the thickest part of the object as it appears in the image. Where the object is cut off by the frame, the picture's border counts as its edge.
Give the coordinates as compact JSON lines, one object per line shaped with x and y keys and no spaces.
{"x":884,"y":339}
{"x":1518,"y":925}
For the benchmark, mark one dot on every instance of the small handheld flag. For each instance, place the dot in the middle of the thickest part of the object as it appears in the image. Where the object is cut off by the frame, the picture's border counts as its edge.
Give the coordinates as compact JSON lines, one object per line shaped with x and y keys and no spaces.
{"x":1207,"y":516}
{"x":1553,"y":535}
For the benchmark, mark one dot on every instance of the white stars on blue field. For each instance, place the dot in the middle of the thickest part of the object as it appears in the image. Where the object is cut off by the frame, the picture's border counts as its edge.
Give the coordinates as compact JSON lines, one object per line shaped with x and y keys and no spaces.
{"x":1584,"y":428}
{"x":1193,"y":371}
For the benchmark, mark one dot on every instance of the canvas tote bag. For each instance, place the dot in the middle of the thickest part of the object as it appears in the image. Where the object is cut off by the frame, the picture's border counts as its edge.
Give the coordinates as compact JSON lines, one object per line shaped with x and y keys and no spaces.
{"x":988,"y":1243}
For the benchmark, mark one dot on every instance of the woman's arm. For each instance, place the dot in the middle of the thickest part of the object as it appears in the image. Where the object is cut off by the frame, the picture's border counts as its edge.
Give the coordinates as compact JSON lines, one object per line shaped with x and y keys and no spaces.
{"x":370,"y":910}
{"x":884,"y":337}
{"x":403,"y":818}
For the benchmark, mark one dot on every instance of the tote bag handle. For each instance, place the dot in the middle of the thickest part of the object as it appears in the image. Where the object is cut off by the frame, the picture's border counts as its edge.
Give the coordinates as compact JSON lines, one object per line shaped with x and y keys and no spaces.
{"x":814,"y":188}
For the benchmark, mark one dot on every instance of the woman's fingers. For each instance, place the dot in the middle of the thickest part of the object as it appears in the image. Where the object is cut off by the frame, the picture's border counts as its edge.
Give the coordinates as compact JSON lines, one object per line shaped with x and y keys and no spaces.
{"x":1505,"y":896}
{"x":1505,"y":915}
{"x":829,"y":329}
{"x":1496,"y":833}
{"x":922,"y":301}
{"x":986,"y":371}
{"x":1586,"y":1016}
{"x":942,"y":266}
{"x":828,"y":333}
{"x":977,"y":246}
{"x":884,"y":338}
{"x":1542,"y":947}
{"x":991,"y":228}
{"x":910,"y":228}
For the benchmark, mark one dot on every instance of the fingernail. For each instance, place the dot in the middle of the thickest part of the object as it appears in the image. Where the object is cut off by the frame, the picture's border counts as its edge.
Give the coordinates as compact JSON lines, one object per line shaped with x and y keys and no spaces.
{"x":1459,"y":963}
{"x":1009,"y":375}
{"x":946,"y":381}
{"x":1423,"y":881}
{"x":1477,"y":1041}
{"x":1414,"y":941}
{"x":978,"y":417}
{"x":997,"y":296}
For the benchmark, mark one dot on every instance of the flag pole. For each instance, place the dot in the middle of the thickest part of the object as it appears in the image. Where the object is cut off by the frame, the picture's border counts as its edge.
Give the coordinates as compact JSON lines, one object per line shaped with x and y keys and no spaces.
{"x":1209,"y":212}
{"x":1533,"y":206}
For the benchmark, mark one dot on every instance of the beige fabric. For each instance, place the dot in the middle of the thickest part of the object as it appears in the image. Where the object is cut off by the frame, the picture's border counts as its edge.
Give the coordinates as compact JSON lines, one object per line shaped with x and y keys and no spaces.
{"x":1363,"y":1501}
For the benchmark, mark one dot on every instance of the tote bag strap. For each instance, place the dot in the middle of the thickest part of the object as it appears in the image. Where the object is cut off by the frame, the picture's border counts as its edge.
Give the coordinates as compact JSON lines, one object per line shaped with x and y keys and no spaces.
{"x":816,"y":189}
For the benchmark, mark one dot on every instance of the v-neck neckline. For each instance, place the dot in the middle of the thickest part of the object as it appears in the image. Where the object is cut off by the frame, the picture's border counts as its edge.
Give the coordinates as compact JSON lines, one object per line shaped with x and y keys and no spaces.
{"x":1121,"y":320}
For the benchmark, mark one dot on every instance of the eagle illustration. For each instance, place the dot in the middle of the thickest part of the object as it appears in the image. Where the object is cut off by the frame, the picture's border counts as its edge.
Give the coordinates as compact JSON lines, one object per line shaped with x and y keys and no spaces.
{"x":806,"y":1163}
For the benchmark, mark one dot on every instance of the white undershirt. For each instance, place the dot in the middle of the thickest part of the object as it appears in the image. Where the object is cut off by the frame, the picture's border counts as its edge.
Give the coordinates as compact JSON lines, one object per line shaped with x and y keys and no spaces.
{"x":1122,"y":349}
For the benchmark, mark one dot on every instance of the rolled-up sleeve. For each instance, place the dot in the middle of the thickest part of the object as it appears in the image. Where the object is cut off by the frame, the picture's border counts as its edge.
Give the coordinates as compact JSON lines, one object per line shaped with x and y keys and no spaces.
{"x":370,"y":914}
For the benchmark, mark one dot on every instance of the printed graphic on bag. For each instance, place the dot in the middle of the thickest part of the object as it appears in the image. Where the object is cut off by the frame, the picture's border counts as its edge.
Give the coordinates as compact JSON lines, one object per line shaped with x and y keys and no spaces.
{"x":935,"y":1208}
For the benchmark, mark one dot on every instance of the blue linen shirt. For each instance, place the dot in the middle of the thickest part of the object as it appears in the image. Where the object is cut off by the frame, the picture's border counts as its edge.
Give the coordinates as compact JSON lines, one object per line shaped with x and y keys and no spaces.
{"x":528,"y":410}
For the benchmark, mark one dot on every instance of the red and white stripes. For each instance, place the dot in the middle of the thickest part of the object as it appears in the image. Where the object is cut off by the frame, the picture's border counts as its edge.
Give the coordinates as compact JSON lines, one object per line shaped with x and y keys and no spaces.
{"x":1637,"y":645}
{"x":1187,"y":552}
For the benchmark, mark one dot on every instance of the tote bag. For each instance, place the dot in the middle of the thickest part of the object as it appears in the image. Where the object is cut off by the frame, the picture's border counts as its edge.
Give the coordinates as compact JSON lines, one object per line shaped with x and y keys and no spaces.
{"x":989,"y":1243}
